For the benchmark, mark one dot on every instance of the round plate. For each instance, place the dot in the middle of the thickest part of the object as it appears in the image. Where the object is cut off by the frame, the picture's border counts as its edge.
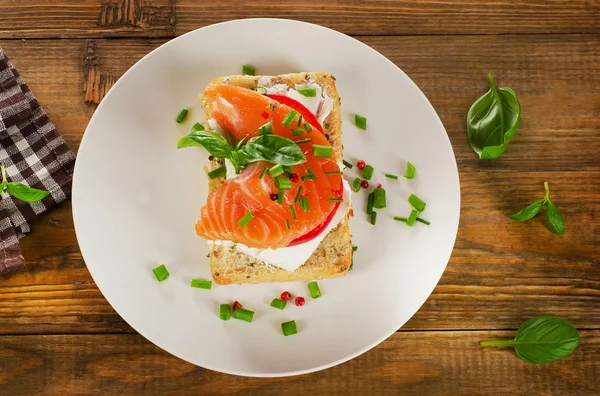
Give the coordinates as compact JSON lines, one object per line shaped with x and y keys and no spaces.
{"x":136,"y":199}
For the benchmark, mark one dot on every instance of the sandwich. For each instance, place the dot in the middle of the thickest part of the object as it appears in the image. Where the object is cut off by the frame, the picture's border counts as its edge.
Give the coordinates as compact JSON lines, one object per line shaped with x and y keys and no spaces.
{"x":278,"y":206}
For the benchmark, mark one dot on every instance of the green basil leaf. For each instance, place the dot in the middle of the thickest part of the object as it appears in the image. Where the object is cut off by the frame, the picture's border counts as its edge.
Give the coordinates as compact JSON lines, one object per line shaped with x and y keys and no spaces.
{"x":493,"y":120}
{"x":529,"y":212}
{"x":214,"y":143}
{"x":541,"y":340}
{"x":272,"y":148}
{"x":554,"y":219}
{"x":26,"y":193}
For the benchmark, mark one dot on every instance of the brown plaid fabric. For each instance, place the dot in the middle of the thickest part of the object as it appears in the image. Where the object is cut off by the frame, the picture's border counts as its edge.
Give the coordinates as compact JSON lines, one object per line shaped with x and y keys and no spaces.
{"x":33,"y":153}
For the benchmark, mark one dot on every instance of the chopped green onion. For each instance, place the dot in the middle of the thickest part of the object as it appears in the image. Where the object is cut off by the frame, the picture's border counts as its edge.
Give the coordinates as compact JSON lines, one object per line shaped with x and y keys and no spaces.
{"x":289,"y":328}
{"x":287,"y":168}
{"x":280,"y":197}
{"x":266,"y":129}
{"x":307,"y":127}
{"x":303,"y":141}
{"x":181,"y":116}
{"x":304,"y":204}
{"x":420,"y":220}
{"x":360,"y":121}
{"x":367,"y":172}
{"x":354,"y":248}
{"x":410,"y":171}
{"x":197,"y":127}
{"x":276,"y":170}
{"x":278,"y":303}
{"x":201,"y":284}
{"x":356,"y":185}
{"x":161,"y":273}
{"x":246,"y":219}
{"x":373,"y":217}
{"x":379,"y":201}
{"x":248,"y":70}
{"x":412,"y":218}
{"x":289,"y":118}
{"x":309,"y":176}
{"x":322,"y":151}
{"x":297,"y":132}
{"x":261,"y":90}
{"x":347,"y":164}
{"x":370,"y":199}
{"x":314,"y":290}
{"x":293,"y":212}
{"x":262,"y":174}
{"x":335,"y":200}
{"x":416,"y":202}
{"x":225,"y":311}
{"x":400,"y":218}
{"x":297,"y":198}
{"x":390,"y":176}
{"x":300,"y":119}
{"x":308,"y":92}
{"x":243,"y":314}
{"x":283,"y":183}
{"x":217,"y":172}
{"x":287,"y":224}
{"x":333,"y":173}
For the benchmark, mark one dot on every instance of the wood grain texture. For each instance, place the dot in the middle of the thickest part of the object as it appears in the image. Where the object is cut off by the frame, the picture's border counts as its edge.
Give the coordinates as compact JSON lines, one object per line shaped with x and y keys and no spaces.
{"x":419,"y":363}
{"x":165,"y":18}
{"x":501,"y":272}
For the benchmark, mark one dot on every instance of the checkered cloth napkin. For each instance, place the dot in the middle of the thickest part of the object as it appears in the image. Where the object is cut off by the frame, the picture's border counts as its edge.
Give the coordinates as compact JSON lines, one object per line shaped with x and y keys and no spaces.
{"x":33,"y":153}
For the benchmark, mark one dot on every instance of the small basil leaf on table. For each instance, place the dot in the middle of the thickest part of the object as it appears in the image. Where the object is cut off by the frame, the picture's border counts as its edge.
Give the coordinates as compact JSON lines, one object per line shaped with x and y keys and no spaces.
{"x":26,"y":193}
{"x":554,"y":219}
{"x":214,"y":143}
{"x":272,"y":148}
{"x":541,"y":340}
{"x":493,"y":120}
{"x":529,"y":212}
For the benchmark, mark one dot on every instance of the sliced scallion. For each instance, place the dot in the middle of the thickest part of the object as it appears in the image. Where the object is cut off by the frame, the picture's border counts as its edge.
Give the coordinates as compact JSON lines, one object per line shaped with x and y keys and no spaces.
{"x":161,"y":273}
{"x":217,"y":172}
{"x":289,"y":118}
{"x":379,"y":201}
{"x":300,"y":119}
{"x":373,"y":217}
{"x":354,"y":248}
{"x":347,"y":164}
{"x":367,"y":172}
{"x":416,"y":202}
{"x":197,"y":127}
{"x":225,"y":311}
{"x":262,"y":174}
{"x":297,"y":198}
{"x":390,"y":176}
{"x":420,"y":220}
{"x":283,"y":183}
{"x":322,"y":151}
{"x":246,"y":219}
{"x":303,"y":141}
{"x":335,"y":200}
{"x":243,"y":314}
{"x":261,"y":90}
{"x":360,"y":122}
{"x":276,"y":170}
{"x":287,"y":224}
{"x":297,"y":132}
{"x":314,"y":290}
{"x":289,"y":328}
{"x":201,"y":284}
{"x":293,"y":212}
{"x":278,"y":303}
{"x":400,"y":218}
{"x":248,"y":70}
{"x":356,"y":184}
{"x":307,"y":127}
{"x":280,"y":197}
{"x":370,"y":203}
{"x":412,"y":218}
{"x":304,"y":204}
{"x":333,"y":173}
{"x":181,"y":116}
{"x":266,"y":129}
{"x":410,"y":171}
{"x":308,"y":92}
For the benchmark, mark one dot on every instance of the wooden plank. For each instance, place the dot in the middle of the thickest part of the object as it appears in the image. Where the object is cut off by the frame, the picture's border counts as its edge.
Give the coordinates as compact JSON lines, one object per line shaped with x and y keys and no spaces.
{"x":419,"y":363}
{"x":157,"y":18}
{"x":500,"y":274}
{"x":87,"y":18}
{"x":555,"y":78}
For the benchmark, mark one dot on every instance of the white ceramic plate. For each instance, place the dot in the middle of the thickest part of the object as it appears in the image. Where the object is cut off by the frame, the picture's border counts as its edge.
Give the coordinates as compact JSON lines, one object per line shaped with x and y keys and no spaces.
{"x":136,"y":199}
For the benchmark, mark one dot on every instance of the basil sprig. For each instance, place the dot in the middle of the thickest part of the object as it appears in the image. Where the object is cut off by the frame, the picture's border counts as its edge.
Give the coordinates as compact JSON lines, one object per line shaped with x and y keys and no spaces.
{"x":20,"y":190}
{"x":271,"y":148}
{"x":554,"y":218}
{"x":542,"y":339}
{"x":493,"y":120}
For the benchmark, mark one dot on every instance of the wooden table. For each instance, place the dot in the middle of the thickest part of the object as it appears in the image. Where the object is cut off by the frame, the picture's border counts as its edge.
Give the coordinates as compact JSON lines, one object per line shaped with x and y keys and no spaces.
{"x":58,"y":335}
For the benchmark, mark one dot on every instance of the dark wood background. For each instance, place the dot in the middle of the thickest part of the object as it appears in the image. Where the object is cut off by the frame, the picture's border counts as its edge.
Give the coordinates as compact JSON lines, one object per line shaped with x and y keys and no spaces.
{"x":58,"y":335}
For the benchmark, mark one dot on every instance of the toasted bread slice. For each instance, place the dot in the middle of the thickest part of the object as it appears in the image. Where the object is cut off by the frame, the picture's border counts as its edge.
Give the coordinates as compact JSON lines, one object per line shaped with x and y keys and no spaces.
{"x":334,"y":255}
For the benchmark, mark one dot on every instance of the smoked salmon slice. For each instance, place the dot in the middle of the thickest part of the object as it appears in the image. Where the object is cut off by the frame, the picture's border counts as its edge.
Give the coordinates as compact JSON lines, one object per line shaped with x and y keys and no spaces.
{"x":241,"y":111}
